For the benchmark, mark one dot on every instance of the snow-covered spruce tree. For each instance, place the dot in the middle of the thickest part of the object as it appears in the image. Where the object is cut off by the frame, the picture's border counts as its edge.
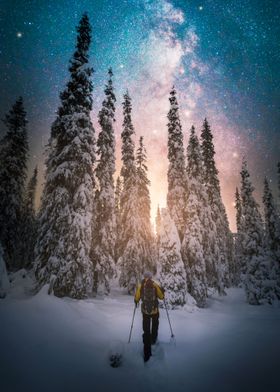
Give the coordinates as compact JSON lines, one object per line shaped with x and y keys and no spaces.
{"x":272,"y":234}
{"x":13,"y":173}
{"x":29,"y":223}
{"x":224,"y":240}
{"x":239,"y":260}
{"x":195,"y":245}
{"x":130,"y":260}
{"x":104,"y":227}
{"x":144,"y":207}
{"x":259,"y":285}
{"x":118,"y":192}
{"x":176,"y":196}
{"x":65,"y":219}
{"x":171,"y":270}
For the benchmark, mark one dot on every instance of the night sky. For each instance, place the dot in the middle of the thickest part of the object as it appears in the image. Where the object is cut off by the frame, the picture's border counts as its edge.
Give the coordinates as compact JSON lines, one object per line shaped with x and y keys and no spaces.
{"x":222,"y":56}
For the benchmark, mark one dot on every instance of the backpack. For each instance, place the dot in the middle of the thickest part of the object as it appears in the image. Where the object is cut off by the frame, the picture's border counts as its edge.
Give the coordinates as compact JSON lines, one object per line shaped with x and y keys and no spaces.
{"x":148,"y":294}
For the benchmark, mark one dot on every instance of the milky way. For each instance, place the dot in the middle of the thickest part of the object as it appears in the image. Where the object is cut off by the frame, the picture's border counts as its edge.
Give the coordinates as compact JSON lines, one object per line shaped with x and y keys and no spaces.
{"x":222,"y":57}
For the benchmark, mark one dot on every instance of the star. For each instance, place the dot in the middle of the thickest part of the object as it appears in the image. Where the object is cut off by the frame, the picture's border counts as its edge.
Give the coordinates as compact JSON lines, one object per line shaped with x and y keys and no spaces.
{"x":19,"y":34}
{"x":200,"y":8}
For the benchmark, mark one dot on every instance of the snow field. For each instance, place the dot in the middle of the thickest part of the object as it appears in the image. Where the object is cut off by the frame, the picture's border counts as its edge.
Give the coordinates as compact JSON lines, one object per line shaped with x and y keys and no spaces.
{"x":51,"y":344}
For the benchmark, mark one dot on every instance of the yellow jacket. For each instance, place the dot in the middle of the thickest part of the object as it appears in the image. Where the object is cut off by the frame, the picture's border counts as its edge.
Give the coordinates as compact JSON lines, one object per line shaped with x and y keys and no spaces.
{"x":159,"y":294}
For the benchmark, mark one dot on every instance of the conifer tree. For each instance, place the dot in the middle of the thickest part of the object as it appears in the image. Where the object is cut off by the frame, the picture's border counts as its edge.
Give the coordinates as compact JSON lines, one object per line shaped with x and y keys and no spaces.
{"x":240,"y":267}
{"x":258,"y":283}
{"x":172,"y":275}
{"x":223,"y":239}
{"x":144,"y":209}
{"x":252,"y":243}
{"x":272,"y":234}
{"x":158,"y":222}
{"x":176,"y":196}
{"x":64,"y":235}
{"x":195,"y":246}
{"x":29,"y":223}
{"x":118,"y":192}
{"x":104,"y":231}
{"x":13,"y":173}
{"x":130,"y":260}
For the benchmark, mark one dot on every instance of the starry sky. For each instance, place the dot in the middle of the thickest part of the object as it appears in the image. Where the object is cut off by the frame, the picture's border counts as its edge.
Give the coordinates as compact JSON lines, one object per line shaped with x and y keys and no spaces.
{"x":222,"y":56}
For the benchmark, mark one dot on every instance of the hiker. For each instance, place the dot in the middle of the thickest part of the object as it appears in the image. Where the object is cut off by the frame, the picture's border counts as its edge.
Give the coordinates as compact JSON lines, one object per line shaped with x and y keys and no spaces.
{"x":149,"y":292}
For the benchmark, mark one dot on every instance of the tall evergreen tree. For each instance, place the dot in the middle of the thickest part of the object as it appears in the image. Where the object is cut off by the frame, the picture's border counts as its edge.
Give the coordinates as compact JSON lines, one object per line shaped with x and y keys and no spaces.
{"x":104,"y":230}
{"x":118,"y":192}
{"x":158,"y":222}
{"x":224,"y":237}
{"x":258,"y":283}
{"x":13,"y":173}
{"x":176,"y":196}
{"x":240,"y":267}
{"x":65,"y":221}
{"x":252,"y":222}
{"x":144,"y":209}
{"x":195,"y":246}
{"x":29,"y":223}
{"x":130,"y":260}
{"x":172,"y":275}
{"x":272,"y":233}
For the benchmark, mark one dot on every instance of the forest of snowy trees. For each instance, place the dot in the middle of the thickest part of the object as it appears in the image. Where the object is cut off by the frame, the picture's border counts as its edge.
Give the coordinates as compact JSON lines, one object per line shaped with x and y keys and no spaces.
{"x":94,"y":226}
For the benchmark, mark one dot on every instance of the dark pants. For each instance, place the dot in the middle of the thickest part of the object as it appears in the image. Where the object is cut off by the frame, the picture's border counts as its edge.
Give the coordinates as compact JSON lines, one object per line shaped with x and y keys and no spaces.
{"x":149,"y":336}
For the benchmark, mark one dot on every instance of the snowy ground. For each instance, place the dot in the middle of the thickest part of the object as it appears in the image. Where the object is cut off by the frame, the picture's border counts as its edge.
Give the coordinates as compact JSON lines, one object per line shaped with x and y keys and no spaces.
{"x":51,"y":344}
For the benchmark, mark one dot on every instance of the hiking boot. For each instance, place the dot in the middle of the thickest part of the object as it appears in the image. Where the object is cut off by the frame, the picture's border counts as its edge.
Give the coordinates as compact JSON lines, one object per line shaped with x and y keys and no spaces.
{"x":147,"y":357}
{"x":153,"y":338}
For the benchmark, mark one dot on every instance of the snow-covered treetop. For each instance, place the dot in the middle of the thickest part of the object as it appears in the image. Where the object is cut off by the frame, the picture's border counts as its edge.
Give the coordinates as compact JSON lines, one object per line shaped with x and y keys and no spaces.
{"x":195,"y":166}
{"x":141,"y":159}
{"x":127,"y":141}
{"x":108,"y":106}
{"x":175,"y":135}
{"x":208,"y":153}
{"x":77,"y":95}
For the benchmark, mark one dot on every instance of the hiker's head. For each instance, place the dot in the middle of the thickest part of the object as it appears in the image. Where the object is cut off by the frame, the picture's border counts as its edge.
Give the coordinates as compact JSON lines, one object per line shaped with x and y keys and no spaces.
{"x":148,"y":275}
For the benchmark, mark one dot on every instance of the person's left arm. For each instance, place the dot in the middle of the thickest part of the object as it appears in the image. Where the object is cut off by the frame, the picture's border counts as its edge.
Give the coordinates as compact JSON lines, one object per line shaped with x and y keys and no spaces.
{"x":160,"y":291}
{"x":137,"y":295}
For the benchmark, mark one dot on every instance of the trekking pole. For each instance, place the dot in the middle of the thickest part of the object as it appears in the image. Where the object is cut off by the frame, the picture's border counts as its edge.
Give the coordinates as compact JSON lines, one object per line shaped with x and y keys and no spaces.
{"x":132,"y":323}
{"x":172,"y":334}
